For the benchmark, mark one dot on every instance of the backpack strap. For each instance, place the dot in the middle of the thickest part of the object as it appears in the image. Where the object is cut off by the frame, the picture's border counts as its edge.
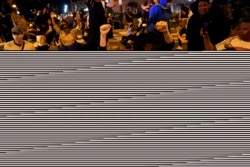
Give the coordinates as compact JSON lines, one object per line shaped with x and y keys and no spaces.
{"x":23,"y":45}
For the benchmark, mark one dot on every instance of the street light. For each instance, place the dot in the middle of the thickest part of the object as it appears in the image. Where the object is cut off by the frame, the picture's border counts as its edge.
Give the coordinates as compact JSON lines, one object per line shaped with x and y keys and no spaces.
{"x":65,"y":8}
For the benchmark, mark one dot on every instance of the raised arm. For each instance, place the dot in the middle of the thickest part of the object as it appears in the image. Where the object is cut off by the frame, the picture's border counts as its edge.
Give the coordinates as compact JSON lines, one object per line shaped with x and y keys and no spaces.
{"x":145,"y":6}
{"x":162,"y":26}
{"x":55,"y":26}
{"x":208,"y":44}
{"x":104,"y":29}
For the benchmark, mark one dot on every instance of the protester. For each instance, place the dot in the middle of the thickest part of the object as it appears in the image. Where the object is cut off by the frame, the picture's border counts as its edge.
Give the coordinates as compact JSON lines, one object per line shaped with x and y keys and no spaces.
{"x":18,"y":44}
{"x":155,"y":42}
{"x":183,"y":18}
{"x":219,"y":21}
{"x":239,"y":42}
{"x":96,"y":19}
{"x":199,"y":19}
{"x":158,"y":12}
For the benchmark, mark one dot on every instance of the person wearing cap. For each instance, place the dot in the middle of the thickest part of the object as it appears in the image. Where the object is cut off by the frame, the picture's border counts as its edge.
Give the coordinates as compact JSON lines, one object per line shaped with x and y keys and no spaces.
{"x":18,"y":43}
{"x":66,"y":35}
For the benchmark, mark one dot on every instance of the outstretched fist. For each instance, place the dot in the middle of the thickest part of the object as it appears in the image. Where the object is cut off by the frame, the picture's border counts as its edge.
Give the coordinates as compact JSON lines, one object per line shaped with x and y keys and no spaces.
{"x":161,"y":26}
{"x":105,"y":28}
{"x":52,"y":14}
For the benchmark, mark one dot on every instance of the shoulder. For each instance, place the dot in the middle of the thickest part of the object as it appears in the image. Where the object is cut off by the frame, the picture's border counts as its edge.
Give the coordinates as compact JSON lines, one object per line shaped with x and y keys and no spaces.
{"x":239,"y":44}
{"x":8,"y":45}
{"x":221,"y":45}
{"x":29,"y":46}
{"x":155,"y":7}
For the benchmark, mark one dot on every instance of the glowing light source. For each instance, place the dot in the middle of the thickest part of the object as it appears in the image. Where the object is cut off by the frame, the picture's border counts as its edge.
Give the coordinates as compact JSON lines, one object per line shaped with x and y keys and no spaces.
{"x":65,"y":8}
{"x":14,"y":6}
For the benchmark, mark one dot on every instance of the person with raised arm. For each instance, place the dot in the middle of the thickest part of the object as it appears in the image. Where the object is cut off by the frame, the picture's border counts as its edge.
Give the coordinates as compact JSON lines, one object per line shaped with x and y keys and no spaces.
{"x":18,"y":43}
{"x":96,"y":19}
{"x":241,"y":41}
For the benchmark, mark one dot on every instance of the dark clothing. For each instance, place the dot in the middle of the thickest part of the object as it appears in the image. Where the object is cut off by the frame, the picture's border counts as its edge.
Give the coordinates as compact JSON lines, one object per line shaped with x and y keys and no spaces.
{"x":79,"y":47}
{"x":181,"y":32}
{"x":158,"y":12}
{"x":156,"y":41}
{"x":216,"y":23}
{"x":186,"y":10}
{"x":43,"y":48}
{"x":129,"y":16}
{"x":219,"y":27}
{"x":195,"y":40}
{"x":96,"y":14}
{"x":93,"y":39}
{"x":96,"y":19}
{"x":7,"y":11}
{"x":145,"y":14}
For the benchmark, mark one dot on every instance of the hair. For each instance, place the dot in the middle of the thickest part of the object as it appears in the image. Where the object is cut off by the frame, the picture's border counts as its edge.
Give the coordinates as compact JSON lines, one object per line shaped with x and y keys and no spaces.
{"x":194,"y":7}
{"x":203,"y":1}
{"x":146,"y":38}
{"x":185,"y":9}
{"x":220,"y":2}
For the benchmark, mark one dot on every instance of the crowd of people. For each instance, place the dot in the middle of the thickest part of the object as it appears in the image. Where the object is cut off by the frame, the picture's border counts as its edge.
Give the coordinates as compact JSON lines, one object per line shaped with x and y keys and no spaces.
{"x":204,"y":25}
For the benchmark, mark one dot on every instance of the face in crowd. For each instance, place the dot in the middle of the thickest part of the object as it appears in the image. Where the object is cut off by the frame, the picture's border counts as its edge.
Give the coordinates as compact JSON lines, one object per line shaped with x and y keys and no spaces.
{"x":244,"y":31}
{"x":18,"y":37}
{"x":64,"y":25}
{"x":203,"y":7}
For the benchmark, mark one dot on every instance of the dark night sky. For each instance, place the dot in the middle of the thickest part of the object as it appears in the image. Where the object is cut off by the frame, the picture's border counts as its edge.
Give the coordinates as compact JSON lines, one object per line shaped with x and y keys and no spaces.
{"x":26,"y":5}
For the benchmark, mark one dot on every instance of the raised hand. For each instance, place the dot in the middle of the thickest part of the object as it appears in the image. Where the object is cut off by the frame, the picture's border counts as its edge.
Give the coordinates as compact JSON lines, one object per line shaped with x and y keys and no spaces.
{"x":203,"y":33}
{"x":104,"y":29}
{"x":161,"y":26}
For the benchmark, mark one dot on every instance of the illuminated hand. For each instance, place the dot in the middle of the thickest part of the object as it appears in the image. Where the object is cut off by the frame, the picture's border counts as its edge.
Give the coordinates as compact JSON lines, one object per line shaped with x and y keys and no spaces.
{"x":203,"y":33}
{"x":104,"y":29}
{"x":52,"y":14}
{"x":161,"y":26}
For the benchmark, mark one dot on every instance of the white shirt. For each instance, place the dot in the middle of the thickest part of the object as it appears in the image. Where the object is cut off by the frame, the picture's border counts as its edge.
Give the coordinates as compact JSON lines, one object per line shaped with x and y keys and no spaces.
{"x":12,"y":46}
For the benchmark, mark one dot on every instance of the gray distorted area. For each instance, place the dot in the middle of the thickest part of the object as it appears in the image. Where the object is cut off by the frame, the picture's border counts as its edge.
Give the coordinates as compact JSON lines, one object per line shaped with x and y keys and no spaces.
{"x":118,"y":109}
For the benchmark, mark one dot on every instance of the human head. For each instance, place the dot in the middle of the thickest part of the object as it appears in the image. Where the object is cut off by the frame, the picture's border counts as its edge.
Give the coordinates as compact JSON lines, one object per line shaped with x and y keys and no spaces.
{"x":17,"y":34}
{"x":64,"y":24}
{"x":155,"y":1}
{"x":184,"y":10}
{"x":220,"y":2}
{"x":163,"y":2}
{"x":146,"y":42}
{"x":203,"y":6}
{"x":79,"y":16}
{"x":194,"y":7}
{"x":244,"y":29}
